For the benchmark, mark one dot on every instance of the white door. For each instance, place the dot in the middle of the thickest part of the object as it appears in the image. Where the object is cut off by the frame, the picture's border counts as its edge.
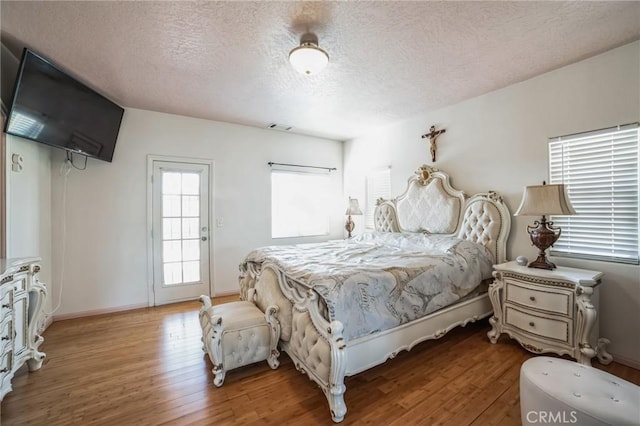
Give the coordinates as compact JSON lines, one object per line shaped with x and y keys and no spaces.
{"x":180,"y":231}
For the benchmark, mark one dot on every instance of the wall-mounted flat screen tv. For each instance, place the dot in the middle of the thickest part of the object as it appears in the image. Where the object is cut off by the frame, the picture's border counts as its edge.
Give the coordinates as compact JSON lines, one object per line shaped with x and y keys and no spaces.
{"x":53,"y":108}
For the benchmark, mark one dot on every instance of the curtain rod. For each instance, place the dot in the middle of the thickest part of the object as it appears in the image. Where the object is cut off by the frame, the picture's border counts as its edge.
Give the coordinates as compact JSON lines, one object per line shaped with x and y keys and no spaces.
{"x":271,"y":163}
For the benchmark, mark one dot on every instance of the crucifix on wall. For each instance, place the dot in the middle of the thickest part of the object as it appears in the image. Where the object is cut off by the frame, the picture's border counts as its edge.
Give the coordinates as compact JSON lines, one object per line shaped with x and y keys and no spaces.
{"x":433,"y":135}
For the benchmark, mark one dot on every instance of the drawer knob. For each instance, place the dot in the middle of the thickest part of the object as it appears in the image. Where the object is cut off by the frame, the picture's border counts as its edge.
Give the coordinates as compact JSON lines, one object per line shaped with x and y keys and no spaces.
{"x":531,"y":324}
{"x":532,"y":298}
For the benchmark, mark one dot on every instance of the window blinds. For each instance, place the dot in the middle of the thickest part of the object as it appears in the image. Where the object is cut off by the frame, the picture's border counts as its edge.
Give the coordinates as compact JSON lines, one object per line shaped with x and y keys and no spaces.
{"x":378,"y":186}
{"x":600,"y":170}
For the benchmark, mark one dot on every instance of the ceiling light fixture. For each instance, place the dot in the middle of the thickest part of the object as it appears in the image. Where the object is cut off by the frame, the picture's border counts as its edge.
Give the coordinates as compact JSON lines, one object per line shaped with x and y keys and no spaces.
{"x":308,"y":58}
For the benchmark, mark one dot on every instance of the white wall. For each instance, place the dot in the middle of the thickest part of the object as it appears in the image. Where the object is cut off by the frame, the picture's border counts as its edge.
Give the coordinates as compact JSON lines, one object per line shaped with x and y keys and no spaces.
{"x":29,"y":205}
{"x":499,"y":141}
{"x":106,"y":239}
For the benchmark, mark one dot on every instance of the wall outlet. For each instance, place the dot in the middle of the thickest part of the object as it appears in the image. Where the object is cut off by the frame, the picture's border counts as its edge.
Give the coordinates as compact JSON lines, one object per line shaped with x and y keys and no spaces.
{"x":16,"y":162}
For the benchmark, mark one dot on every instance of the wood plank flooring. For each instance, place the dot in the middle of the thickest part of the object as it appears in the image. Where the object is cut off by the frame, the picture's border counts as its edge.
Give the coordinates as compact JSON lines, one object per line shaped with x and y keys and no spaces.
{"x":146,"y":367}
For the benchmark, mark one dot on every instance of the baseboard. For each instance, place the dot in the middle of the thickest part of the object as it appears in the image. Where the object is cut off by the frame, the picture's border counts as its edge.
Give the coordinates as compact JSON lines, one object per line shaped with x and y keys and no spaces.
{"x":633,"y":363}
{"x":226,"y":293}
{"x":98,"y":312}
{"x":48,"y":320}
{"x":113,"y":310}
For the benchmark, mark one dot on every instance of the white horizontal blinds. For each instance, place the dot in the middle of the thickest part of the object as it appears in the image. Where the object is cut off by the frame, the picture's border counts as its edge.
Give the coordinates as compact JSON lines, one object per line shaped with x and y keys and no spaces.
{"x":600,"y":170}
{"x":378,"y":186}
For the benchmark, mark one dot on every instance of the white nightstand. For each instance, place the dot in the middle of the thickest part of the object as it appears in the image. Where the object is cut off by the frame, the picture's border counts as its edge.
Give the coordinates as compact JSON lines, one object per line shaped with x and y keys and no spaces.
{"x":548,"y":310}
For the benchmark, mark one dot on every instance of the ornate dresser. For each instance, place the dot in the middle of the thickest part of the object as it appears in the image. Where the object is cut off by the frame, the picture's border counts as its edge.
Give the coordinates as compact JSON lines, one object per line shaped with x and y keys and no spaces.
{"x":22,"y":297}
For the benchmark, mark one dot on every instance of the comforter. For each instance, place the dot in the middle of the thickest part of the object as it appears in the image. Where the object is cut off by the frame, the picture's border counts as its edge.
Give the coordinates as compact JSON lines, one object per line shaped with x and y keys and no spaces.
{"x":377,"y":281}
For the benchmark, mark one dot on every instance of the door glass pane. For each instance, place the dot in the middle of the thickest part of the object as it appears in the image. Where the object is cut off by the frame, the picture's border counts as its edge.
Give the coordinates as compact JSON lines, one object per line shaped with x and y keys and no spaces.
{"x":171,"y":205}
{"x":190,"y":249}
{"x":171,"y":183}
{"x":190,"y":206}
{"x":172,"y":273}
{"x":171,"y":229}
{"x":190,"y":184}
{"x":180,"y":227}
{"x":191,"y":271}
{"x":191,"y":227}
{"x":171,"y":251}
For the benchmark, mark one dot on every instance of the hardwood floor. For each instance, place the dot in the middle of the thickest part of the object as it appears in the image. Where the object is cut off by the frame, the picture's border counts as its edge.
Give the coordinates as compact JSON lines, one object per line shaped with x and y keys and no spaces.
{"x":146,"y":367}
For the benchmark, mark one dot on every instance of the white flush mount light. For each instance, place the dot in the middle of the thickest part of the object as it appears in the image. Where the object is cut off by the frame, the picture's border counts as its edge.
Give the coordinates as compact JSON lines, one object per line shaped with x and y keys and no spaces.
{"x":308,"y":58}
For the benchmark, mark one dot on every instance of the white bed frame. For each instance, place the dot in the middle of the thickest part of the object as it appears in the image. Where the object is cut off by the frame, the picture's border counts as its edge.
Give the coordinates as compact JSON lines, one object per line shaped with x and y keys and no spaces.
{"x":317,"y":347}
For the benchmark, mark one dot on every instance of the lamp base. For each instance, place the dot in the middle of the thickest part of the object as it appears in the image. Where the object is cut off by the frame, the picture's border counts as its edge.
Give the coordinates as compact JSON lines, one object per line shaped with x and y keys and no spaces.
{"x":542,"y":263}
{"x":543,"y":235}
{"x":349,"y":226}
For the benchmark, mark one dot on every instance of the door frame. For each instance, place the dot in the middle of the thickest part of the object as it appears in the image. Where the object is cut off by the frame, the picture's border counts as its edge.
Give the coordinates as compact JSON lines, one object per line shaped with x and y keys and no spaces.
{"x":3,"y":188}
{"x":150,"y":267}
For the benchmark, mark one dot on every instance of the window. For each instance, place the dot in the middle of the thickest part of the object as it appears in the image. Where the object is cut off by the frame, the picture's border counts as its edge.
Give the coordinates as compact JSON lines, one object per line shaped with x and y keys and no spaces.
{"x":600,"y":170}
{"x":300,"y":203}
{"x":378,"y":186}
{"x":180,"y":227}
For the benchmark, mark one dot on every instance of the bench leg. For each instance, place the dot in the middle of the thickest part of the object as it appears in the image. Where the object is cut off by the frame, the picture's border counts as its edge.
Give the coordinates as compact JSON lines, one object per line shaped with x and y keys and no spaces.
{"x":218,"y":375}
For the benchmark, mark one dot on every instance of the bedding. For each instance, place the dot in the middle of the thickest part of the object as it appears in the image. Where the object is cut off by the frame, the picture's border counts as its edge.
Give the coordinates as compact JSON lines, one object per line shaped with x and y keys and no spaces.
{"x":377,"y":281}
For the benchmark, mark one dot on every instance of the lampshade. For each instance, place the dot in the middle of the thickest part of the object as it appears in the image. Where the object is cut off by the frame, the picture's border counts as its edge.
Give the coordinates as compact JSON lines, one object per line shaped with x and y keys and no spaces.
{"x":544,"y":200}
{"x":308,"y":58}
{"x":354,"y":207}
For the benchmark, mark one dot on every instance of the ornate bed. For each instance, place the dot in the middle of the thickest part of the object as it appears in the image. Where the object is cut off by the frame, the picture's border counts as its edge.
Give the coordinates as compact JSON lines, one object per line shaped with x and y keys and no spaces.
{"x":325,"y":338}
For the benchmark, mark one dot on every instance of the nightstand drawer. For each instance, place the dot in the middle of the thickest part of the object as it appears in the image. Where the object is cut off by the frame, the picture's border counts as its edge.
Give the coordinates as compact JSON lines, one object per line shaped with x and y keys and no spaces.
{"x":556,"y":300}
{"x":544,"y":327}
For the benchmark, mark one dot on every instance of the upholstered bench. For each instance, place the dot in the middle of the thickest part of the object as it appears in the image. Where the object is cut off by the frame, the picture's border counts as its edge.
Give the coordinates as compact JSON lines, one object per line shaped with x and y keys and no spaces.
{"x":237,"y":334}
{"x":558,"y":391}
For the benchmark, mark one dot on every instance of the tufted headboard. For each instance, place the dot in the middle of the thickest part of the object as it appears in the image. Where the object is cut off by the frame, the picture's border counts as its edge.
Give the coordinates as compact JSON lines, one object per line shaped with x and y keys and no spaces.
{"x":431,"y":205}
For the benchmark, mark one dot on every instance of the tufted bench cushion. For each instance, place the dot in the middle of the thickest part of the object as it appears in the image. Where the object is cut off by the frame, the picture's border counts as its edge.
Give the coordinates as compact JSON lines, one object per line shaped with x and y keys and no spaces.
{"x":237,"y":334}
{"x":555,"y":391}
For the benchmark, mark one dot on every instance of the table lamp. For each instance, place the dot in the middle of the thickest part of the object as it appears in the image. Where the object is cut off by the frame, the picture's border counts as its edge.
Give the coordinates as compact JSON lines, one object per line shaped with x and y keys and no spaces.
{"x":543,"y":200}
{"x":353,"y":209}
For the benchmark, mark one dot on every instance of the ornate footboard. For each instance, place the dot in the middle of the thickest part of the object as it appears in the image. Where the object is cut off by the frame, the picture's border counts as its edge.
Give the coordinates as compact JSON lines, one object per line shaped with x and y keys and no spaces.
{"x":317,"y":347}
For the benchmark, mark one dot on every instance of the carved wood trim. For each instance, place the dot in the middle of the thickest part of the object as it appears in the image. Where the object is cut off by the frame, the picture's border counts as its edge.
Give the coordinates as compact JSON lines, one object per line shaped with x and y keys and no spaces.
{"x":537,"y":280}
{"x":531,"y":347}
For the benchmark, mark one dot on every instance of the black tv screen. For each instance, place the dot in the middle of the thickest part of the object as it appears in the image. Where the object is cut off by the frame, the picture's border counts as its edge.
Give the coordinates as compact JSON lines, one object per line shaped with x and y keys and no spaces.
{"x":51,"y":107}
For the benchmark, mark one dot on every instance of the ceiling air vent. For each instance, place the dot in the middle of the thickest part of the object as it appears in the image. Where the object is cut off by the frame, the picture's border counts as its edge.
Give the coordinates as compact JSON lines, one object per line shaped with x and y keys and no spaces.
{"x":274,"y":126}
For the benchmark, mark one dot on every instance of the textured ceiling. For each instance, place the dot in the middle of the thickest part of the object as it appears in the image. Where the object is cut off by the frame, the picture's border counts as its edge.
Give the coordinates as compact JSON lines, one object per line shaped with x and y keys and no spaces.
{"x":228,"y":61}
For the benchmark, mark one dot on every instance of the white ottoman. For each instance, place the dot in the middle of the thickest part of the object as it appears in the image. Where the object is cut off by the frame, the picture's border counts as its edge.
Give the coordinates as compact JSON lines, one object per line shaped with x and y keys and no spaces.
{"x":558,"y":391}
{"x":237,"y":334}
